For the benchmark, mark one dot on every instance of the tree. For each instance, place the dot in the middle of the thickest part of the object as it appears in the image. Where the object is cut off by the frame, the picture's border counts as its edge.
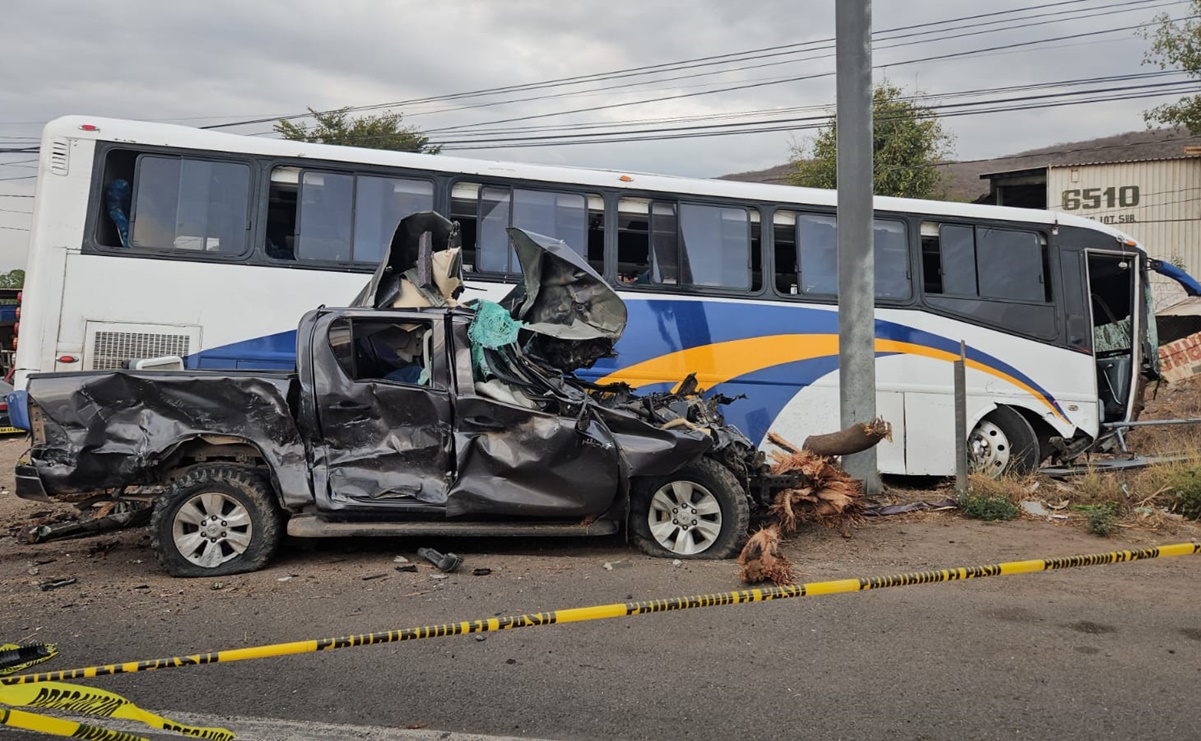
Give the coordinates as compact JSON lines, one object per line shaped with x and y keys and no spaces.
{"x":373,"y":132}
{"x":907,"y":141}
{"x":12,"y":279}
{"x":1177,"y":45}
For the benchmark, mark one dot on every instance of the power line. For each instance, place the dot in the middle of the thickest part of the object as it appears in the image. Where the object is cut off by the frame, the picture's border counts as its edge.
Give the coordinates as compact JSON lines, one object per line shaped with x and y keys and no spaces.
{"x":663,"y":67}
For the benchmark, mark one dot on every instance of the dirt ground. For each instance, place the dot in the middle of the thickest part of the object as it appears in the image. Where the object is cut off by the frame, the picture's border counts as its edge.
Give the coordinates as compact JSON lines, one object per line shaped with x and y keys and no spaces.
{"x":123,"y":562}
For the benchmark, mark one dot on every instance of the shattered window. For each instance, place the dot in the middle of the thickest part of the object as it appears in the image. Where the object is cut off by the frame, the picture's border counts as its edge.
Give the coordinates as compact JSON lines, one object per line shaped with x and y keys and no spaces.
{"x":190,"y":204}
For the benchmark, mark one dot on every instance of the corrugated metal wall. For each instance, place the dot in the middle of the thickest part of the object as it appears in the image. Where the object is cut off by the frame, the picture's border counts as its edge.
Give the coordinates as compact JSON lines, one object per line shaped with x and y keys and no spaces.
{"x":1158,"y":203}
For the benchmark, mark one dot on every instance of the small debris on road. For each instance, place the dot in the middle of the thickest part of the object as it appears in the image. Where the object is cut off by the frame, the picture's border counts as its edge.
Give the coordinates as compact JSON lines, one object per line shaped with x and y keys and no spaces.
{"x":369,"y":577}
{"x":409,"y":567}
{"x":47,"y":584}
{"x":400,"y":559}
{"x":448,"y":562}
{"x":482,"y":571}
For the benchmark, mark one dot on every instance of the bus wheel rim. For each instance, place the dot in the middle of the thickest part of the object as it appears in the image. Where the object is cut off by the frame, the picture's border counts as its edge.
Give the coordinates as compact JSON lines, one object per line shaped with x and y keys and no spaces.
{"x":989,"y":448}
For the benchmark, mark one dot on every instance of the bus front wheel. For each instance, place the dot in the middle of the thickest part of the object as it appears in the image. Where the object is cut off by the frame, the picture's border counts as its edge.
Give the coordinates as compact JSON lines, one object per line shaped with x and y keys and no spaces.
{"x":1003,"y":443}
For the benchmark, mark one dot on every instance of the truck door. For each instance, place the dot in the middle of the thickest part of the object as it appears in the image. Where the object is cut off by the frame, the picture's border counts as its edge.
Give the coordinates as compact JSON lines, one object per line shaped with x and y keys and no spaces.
{"x":383,"y":413}
{"x":514,"y":460}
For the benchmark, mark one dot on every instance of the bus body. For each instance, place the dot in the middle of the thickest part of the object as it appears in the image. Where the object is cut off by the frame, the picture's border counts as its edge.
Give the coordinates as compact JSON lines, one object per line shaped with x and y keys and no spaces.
{"x":152,"y":240}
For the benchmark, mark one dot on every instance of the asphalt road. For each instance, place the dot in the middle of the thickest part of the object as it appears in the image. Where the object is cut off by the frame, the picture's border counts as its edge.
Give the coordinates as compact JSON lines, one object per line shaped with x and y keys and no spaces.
{"x":1111,"y":651}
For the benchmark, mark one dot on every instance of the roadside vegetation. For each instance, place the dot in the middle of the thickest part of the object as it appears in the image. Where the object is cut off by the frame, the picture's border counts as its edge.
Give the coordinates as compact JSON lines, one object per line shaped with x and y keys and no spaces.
{"x":1154,"y":498}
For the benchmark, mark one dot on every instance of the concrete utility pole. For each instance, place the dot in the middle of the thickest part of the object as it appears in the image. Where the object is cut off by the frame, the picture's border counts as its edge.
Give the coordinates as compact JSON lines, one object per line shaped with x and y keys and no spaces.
{"x":856,"y":260}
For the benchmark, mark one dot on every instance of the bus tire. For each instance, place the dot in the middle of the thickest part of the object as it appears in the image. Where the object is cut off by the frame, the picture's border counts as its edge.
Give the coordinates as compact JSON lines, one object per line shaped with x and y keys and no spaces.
{"x":1004,"y":443}
{"x":697,"y":512}
{"x":217,"y":519}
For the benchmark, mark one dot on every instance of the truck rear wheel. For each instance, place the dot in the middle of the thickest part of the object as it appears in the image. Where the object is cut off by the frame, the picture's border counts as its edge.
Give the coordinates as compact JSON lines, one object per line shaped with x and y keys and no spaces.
{"x":700,"y":511}
{"x":218,"y":519}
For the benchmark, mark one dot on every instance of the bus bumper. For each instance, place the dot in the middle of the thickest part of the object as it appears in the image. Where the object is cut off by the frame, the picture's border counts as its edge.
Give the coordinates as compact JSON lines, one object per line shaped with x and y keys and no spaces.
{"x":29,"y":485}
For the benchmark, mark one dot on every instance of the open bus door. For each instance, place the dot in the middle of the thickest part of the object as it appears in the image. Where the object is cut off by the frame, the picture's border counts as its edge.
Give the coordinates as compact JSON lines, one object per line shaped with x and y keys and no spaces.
{"x":1114,"y":285}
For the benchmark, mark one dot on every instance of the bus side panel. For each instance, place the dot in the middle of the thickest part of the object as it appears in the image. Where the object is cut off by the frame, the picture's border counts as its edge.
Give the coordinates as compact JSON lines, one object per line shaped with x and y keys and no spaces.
{"x":57,"y":231}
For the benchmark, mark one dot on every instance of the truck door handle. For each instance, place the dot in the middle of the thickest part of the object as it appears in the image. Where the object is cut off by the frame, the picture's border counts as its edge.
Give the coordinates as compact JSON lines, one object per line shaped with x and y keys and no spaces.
{"x":350,"y":405}
{"x":485,"y":423}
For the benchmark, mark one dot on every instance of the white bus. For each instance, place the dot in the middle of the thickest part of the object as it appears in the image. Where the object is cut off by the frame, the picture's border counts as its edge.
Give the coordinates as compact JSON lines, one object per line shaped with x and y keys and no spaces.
{"x":151,"y":240}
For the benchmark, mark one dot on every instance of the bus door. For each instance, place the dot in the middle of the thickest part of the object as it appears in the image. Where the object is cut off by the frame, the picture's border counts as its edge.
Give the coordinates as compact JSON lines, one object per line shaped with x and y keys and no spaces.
{"x":1114,"y":283}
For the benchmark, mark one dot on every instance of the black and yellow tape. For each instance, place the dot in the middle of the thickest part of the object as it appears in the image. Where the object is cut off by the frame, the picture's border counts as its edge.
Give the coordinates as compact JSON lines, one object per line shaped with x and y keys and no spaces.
{"x":59,"y":727}
{"x":601,"y":612}
{"x":73,"y":698}
{"x":15,"y":657}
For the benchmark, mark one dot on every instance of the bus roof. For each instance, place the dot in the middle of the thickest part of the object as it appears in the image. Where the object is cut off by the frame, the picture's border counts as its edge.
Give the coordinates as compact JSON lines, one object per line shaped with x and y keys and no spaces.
{"x":173,"y":135}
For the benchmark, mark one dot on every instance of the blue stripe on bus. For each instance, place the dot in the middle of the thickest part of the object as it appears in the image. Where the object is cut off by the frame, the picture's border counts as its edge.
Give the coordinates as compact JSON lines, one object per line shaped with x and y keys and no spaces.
{"x":658,"y":327}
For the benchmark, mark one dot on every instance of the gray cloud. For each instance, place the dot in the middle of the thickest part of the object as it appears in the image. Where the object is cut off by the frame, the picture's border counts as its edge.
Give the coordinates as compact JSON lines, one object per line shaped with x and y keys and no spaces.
{"x":232,"y":59}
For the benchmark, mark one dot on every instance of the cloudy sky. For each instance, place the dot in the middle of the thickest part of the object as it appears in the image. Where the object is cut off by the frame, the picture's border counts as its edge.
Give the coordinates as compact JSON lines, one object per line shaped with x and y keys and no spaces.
{"x":764,"y":68}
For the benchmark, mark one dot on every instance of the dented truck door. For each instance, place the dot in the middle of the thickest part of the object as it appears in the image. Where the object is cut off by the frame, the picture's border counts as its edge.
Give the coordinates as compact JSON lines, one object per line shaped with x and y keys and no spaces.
{"x":383,"y":411}
{"x":513,"y":460}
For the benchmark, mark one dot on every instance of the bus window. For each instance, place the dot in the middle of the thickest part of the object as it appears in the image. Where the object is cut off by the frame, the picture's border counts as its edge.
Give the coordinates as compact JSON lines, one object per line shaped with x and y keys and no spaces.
{"x":325,"y":217}
{"x":484,"y":212}
{"x":669,"y":243}
{"x":993,"y":277}
{"x":190,"y":204}
{"x":807,"y":255}
{"x":984,"y":262}
{"x":341,"y":217}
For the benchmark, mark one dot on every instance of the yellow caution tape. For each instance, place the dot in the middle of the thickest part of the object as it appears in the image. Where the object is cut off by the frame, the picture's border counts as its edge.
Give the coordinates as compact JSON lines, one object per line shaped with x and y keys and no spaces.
{"x":59,"y":727}
{"x":601,"y":612}
{"x":73,"y":698}
{"x":15,"y":657}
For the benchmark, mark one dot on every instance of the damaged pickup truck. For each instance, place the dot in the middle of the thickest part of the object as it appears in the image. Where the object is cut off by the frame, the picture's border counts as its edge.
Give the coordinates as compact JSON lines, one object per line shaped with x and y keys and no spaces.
{"x":407,"y":414}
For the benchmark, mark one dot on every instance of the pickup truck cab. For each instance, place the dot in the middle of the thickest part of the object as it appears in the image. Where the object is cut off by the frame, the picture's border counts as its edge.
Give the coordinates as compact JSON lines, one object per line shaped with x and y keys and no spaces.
{"x":411,"y":421}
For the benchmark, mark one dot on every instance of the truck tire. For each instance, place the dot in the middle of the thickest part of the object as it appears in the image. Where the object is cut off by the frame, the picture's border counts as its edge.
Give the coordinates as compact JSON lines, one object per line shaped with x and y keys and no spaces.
{"x":218,"y":519}
{"x":700,"y":511}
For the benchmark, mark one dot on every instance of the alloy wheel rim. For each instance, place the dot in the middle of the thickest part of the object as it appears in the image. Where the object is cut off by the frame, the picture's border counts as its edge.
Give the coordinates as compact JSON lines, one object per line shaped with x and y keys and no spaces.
{"x":684,"y":518}
{"x":211,"y":528}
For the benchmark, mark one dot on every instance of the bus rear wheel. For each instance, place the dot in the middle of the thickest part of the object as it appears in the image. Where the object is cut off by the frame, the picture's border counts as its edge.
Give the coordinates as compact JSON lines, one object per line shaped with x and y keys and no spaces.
{"x":1003,"y":443}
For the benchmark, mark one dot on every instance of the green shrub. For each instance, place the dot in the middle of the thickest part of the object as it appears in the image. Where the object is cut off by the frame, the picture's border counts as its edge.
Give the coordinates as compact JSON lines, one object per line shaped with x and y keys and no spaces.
{"x":1102,"y":518}
{"x":988,"y":507}
{"x":1186,"y":495}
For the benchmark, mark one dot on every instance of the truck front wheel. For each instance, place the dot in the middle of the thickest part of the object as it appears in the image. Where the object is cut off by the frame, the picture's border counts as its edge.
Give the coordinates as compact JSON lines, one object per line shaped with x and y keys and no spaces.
{"x":700,"y":511}
{"x":218,"y":519}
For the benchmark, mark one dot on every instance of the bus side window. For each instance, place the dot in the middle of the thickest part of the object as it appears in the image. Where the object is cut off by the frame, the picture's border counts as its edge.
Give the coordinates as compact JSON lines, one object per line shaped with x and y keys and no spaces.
{"x":485,"y":212}
{"x":684,"y":244}
{"x":183,"y":203}
{"x":115,"y":199}
{"x":811,"y":267}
